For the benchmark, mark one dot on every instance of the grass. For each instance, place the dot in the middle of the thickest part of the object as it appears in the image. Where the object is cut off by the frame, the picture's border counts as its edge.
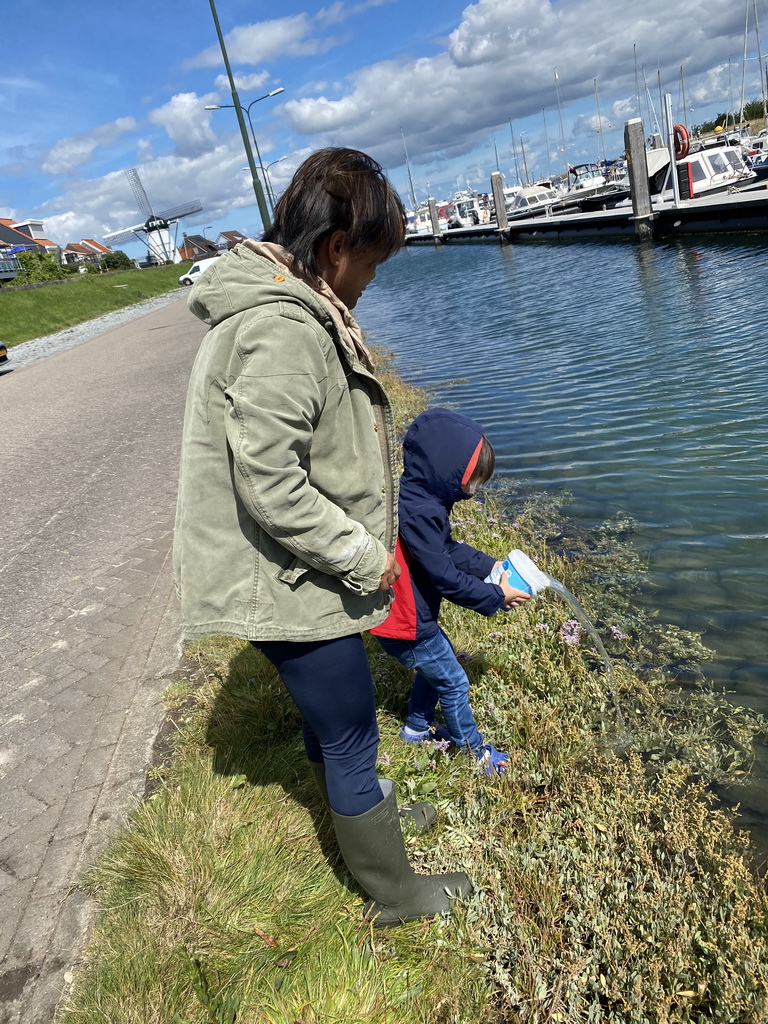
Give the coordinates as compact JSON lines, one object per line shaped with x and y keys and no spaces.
{"x":35,"y":312}
{"x":609,"y":886}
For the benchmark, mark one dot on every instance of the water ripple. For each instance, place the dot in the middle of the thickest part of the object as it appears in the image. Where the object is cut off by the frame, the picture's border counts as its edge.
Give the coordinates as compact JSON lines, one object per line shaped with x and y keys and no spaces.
{"x":633,"y":376}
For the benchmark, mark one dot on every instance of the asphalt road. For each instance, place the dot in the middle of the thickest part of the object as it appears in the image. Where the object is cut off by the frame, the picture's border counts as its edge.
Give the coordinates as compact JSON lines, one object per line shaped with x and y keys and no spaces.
{"x":89,"y":632}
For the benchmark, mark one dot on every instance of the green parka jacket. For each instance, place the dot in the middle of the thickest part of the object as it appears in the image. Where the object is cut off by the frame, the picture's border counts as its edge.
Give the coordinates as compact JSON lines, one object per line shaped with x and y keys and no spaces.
{"x":288,"y":483}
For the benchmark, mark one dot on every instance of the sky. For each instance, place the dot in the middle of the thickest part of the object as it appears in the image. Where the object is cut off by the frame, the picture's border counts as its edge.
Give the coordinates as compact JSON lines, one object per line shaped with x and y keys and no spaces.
{"x":91,"y":89}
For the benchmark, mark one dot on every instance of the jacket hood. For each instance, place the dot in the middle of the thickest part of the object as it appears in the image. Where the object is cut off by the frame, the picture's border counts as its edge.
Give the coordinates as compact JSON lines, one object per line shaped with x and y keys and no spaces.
{"x":437,"y":450}
{"x":241,"y":280}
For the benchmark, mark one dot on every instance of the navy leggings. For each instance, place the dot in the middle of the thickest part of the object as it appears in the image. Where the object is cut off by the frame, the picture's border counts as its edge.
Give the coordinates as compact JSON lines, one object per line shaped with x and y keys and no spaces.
{"x":330,"y":683}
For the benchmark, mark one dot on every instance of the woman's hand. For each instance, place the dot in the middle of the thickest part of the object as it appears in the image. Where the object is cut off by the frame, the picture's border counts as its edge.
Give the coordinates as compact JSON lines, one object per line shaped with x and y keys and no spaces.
{"x":513,"y":598}
{"x":391,"y":572}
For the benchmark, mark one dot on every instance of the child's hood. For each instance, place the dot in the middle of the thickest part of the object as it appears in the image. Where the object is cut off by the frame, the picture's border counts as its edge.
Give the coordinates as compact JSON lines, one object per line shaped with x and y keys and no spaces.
{"x":437,"y":450}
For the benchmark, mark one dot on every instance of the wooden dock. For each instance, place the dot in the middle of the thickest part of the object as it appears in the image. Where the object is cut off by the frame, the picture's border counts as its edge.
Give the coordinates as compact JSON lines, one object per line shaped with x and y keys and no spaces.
{"x":725,"y":212}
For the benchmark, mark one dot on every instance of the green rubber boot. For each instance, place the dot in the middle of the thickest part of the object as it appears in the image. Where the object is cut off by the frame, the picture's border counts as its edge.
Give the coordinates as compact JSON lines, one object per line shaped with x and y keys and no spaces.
{"x":373,"y":849}
{"x":422,"y":814}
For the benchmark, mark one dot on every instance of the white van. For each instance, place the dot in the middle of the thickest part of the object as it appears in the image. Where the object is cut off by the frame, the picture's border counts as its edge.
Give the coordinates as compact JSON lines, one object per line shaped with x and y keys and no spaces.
{"x":198,"y":268}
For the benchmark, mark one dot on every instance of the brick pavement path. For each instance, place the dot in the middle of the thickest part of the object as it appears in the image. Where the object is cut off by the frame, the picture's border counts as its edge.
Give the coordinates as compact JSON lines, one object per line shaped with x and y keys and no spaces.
{"x":89,"y":448}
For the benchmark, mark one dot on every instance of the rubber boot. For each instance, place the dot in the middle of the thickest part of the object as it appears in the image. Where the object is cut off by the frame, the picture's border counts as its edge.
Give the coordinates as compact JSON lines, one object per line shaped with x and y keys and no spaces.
{"x":373,"y":849}
{"x":422,"y":814}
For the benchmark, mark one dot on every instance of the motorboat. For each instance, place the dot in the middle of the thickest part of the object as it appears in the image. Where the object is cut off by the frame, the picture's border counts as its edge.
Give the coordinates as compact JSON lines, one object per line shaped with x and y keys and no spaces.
{"x":532,"y":200}
{"x":469,"y":209}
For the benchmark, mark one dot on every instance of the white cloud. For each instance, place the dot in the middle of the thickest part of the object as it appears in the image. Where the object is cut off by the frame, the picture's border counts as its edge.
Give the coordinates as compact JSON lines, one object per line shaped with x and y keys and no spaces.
{"x":77,"y":150}
{"x":186,"y":123}
{"x":243,"y":83}
{"x":266,"y":40}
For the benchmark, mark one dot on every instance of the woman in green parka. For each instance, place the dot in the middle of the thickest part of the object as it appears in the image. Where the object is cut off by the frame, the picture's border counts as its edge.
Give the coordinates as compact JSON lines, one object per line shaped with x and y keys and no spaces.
{"x":286,"y":518}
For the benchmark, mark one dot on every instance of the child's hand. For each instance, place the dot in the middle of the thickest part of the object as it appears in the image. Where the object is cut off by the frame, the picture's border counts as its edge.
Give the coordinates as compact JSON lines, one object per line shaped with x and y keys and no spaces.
{"x":513,"y":598}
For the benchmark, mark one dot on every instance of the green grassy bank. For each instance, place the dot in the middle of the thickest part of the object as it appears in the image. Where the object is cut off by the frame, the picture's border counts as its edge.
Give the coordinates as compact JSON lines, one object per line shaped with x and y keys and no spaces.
{"x":35,"y":312}
{"x":609,"y":887}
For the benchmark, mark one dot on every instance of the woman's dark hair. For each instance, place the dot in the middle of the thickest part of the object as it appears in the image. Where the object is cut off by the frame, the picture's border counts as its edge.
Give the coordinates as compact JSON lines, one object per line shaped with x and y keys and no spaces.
{"x":484,"y":467}
{"x":338,"y":190}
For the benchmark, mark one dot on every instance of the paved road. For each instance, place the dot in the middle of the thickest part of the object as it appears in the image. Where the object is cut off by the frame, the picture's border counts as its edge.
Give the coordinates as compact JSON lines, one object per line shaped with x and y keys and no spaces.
{"x":89,"y":449}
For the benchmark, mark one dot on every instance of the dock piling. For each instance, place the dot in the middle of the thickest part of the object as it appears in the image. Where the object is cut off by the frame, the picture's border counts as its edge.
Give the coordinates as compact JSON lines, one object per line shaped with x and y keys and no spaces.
{"x":639,"y":184}
{"x":436,"y":232}
{"x":500,"y":204}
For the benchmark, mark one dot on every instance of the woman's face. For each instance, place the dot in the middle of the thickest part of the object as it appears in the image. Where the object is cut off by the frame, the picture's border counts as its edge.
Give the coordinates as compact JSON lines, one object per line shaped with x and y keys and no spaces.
{"x":347,"y":275}
{"x":352,"y":276}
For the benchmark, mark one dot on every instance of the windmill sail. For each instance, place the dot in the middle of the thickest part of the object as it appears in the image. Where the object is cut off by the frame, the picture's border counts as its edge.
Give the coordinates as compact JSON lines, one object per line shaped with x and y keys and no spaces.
{"x":155,"y":230}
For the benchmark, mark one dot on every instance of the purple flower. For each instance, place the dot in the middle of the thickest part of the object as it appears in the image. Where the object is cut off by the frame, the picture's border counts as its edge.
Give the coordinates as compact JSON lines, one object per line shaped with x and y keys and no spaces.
{"x":383,"y":759}
{"x":442,"y":744}
{"x":542,"y":627}
{"x":617,"y":634}
{"x":571,"y":632}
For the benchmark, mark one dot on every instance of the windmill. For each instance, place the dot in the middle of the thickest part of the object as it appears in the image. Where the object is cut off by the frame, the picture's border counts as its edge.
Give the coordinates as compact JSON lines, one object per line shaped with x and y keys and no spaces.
{"x":155,"y":230}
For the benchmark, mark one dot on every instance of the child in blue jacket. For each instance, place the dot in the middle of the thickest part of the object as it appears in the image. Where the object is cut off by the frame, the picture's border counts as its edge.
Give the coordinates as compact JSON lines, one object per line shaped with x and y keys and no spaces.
{"x":446,"y":457}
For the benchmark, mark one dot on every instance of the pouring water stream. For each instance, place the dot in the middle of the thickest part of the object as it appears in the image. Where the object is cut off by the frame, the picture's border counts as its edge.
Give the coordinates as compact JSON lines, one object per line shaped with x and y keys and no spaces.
{"x":523,"y":574}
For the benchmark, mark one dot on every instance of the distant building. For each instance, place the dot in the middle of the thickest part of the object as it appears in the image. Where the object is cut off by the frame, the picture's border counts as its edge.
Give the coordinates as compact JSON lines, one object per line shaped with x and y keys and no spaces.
{"x":12,"y":238}
{"x":34,"y":229}
{"x":95,"y":247}
{"x":84,"y":251}
{"x":197,"y":247}
{"x":229,"y":239}
{"x":73,"y":252}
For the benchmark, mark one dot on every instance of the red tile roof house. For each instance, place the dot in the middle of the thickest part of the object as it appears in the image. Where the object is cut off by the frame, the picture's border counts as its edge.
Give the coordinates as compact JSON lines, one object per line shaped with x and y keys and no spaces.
{"x":95,"y":247}
{"x":197,"y":247}
{"x":73,"y":252}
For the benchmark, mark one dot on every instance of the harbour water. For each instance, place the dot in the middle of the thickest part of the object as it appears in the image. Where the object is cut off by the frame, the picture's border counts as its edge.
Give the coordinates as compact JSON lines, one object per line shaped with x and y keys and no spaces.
{"x":636,"y":377}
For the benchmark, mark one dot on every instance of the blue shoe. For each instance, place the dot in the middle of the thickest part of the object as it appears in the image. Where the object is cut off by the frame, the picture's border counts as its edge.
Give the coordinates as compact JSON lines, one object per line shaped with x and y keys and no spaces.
{"x":492,"y":760}
{"x":435,"y":732}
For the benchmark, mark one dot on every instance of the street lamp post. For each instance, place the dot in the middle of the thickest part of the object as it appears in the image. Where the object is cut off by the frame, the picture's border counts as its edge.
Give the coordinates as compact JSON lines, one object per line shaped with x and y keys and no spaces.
{"x":266,"y":96}
{"x":258,"y":191}
{"x":270,"y":190}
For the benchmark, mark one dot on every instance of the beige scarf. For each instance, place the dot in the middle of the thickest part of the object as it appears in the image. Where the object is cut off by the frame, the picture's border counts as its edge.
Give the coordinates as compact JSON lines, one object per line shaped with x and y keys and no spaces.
{"x":349,"y":329}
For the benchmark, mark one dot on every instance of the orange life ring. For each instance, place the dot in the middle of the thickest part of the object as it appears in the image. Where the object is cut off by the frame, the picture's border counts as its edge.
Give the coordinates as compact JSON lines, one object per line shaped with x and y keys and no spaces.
{"x":682,"y":141}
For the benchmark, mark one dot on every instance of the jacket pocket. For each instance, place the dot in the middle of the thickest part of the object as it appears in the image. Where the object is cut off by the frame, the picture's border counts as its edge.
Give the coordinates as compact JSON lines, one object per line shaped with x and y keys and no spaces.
{"x":293,"y":572}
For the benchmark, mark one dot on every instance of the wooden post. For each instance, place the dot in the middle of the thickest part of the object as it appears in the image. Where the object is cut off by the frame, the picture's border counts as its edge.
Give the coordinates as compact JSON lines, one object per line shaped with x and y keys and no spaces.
{"x":436,"y":233}
{"x":637,"y":168}
{"x":500,"y":203}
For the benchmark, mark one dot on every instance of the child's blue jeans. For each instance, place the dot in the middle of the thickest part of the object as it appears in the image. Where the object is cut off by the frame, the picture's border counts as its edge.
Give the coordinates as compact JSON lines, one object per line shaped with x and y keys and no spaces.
{"x":439,"y":677}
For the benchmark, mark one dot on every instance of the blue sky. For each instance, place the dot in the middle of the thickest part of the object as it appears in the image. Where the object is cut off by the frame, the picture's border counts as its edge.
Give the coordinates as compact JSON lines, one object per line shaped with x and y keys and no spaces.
{"x":91,"y":89}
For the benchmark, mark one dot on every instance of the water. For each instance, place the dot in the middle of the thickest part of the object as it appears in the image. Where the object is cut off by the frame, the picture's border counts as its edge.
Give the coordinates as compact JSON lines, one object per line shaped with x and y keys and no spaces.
{"x":634,"y":376}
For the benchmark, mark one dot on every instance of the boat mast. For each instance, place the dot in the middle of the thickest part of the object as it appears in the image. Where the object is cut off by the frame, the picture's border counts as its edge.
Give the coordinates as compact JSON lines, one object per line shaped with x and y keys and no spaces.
{"x":744,"y":66}
{"x":560,"y":120}
{"x":637,"y":84}
{"x":525,"y":163}
{"x":514,"y":153}
{"x":546,"y":143}
{"x":654,"y":119}
{"x":684,"y":118}
{"x":760,"y":65}
{"x":410,"y":179}
{"x":730,"y":98}
{"x":600,"y":128}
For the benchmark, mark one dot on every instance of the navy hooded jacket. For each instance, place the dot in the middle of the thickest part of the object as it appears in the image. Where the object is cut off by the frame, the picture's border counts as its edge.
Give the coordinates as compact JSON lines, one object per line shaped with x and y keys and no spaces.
{"x":440,"y":451}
